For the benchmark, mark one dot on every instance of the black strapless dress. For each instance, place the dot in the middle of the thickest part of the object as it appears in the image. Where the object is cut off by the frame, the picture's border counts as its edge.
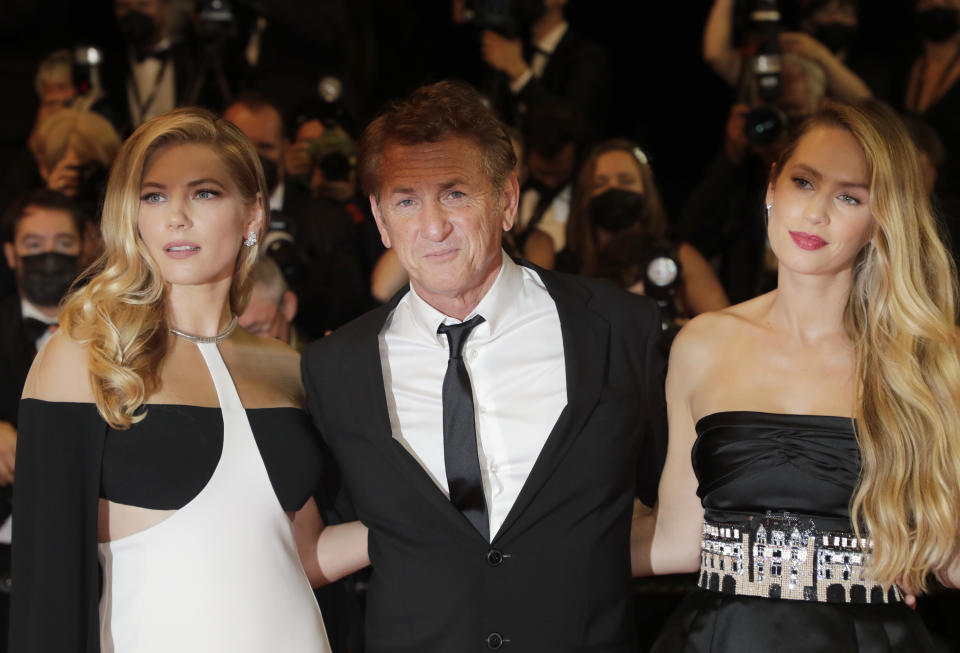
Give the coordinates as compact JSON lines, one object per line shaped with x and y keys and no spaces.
{"x":749,"y":463}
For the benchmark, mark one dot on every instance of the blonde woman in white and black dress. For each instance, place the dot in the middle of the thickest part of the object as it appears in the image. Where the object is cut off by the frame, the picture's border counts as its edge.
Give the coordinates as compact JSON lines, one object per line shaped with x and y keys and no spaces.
{"x":814,"y":455}
{"x":165,"y":444}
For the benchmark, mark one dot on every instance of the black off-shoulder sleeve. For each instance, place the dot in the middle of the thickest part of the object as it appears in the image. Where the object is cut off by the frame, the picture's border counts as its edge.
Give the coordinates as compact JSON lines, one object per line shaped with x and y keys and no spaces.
{"x":55,"y":571}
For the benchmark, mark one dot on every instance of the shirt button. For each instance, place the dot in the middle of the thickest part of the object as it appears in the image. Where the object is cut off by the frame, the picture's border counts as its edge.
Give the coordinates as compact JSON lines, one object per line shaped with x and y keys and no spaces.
{"x":494,"y":557}
{"x":483,"y":411}
{"x":474,"y":354}
{"x":494,"y":641}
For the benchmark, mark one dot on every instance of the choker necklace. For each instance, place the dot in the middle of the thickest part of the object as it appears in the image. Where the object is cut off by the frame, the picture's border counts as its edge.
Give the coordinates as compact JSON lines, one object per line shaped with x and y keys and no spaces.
{"x":223,"y":335}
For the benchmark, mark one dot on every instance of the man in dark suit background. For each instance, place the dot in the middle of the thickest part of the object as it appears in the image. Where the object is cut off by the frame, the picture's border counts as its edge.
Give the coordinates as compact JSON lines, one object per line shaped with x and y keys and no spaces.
{"x":549,"y":63}
{"x":489,"y":422}
{"x":41,"y":242}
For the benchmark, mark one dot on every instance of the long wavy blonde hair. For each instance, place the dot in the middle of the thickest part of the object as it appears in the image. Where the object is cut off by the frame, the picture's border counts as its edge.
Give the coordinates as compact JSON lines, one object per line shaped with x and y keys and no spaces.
{"x":901,"y":316}
{"x":120,"y":312}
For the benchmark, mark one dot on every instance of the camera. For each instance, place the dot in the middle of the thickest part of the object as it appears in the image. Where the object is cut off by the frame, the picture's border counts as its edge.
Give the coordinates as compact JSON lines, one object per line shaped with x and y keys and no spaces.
{"x":333,"y":152}
{"x":215,"y":20}
{"x":763,"y":75}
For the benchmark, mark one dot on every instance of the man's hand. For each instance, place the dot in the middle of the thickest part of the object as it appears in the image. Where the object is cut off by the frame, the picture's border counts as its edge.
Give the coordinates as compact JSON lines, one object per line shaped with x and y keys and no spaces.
{"x":65,"y":178}
{"x":8,"y":452}
{"x":735,"y":144}
{"x":506,"y":55}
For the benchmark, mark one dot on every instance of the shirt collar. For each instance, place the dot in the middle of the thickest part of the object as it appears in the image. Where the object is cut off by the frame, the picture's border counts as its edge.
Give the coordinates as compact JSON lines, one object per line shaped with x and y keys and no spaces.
{"x":276,"y":198}
{"x":27,"y":309}
{"x":548,"y":44}
{"x":494,"y":307}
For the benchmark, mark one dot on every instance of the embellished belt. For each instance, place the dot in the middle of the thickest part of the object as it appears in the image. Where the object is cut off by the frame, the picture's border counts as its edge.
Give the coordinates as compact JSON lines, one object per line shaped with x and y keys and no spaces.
{"x":785,"y":556}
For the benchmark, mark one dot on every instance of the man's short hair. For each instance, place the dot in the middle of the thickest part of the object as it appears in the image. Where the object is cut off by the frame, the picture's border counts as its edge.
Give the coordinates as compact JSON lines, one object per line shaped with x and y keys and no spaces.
{"x":256,"y":102}
{"x":268,"y":277}
{"x":432,"y":114}
{"x":42,"y":198}
{"x":56,"y":67}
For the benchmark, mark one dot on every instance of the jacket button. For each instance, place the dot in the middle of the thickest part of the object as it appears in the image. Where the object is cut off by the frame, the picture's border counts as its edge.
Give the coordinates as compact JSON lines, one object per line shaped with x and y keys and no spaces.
{"x":494,"y":641}
{"x":494,"y":557}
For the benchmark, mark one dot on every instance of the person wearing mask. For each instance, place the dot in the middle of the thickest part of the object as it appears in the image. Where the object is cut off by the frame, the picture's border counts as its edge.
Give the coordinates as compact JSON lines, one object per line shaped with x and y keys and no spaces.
{"x":813,"y":466}
{"x":330,"y":280}
{"x":41,"y":244}
{"x":618,"y":223}
{"x":720,"y":53}
{"x":931,"y":89}
{"x":165,"y":467}
{"x":723,"y":217}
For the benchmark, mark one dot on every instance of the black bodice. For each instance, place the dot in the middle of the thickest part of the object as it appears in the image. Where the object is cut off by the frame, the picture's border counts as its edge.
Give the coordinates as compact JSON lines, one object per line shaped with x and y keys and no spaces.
{"x":753,"y":462}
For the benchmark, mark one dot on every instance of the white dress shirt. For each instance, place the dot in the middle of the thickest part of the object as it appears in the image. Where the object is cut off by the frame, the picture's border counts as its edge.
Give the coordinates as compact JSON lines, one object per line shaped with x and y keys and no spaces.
{"x":554,"y":220}
{"x":29,"y":310}
{"x":516,"y":364}
{"x":544,"y":49}
{"x":151,"y":77}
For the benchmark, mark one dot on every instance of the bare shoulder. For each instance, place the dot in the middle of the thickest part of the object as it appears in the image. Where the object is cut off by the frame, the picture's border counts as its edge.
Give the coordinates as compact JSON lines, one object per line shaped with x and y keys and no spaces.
{"x":267,"y":371}
{"x":704,"y":337}
{"x":60,"y":371}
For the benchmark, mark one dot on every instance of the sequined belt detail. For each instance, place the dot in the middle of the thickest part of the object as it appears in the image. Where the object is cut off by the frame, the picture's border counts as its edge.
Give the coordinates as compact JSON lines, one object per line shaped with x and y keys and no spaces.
{"x":785,"y":556}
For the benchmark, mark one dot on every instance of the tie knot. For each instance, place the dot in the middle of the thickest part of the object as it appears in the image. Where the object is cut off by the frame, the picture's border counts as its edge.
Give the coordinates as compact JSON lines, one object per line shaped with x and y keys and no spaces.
{"x":457,"y":334}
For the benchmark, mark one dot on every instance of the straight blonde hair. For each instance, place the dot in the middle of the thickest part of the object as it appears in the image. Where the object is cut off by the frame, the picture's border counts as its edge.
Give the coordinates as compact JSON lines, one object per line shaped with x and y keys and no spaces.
{"x":901,"y":317}
{"x":120,"y":312}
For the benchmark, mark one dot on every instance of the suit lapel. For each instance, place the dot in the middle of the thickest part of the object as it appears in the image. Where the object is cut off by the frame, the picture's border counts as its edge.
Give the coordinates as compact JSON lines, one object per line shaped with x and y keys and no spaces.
{"x":585,"y":349}
{"x":371,"y":384}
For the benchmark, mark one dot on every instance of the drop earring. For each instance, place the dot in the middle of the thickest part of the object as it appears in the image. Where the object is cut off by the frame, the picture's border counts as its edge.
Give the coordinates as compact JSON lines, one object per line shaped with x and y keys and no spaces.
{"x":251,"y":240}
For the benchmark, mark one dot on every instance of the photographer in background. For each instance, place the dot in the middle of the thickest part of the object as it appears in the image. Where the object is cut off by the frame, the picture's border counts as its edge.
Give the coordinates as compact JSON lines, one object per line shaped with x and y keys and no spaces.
{"x":313,"y":239}
{"x":618,"y":228}
{"x":729,"y":62}
{"x":544,"y":60}
{"x":41,"y":243}
{"x":724,"y":216}
{"x":75,"y":150}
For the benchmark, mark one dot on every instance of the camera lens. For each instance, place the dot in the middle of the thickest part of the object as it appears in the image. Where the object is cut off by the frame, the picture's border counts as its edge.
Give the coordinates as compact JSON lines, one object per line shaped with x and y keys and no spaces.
{"x":764,"y":125}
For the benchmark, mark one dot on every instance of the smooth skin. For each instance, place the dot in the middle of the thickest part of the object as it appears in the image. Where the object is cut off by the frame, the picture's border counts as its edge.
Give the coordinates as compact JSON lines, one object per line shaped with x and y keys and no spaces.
{"x":783,"y":352}
{"x":188,"y":196}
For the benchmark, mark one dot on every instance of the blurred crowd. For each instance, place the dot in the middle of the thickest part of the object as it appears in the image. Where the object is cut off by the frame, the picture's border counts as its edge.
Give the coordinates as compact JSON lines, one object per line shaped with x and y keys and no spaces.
{"x":645,"y":133}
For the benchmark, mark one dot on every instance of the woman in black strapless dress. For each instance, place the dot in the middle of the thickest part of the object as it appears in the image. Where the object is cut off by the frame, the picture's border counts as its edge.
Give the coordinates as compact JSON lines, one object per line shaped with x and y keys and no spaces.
{"x":828,"y":403}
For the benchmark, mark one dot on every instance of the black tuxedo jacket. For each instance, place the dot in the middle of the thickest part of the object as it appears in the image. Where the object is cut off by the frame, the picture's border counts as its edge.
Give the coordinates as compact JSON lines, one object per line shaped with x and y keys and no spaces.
{"x":16,"y":356}
{"x":556,"y":577}
{"x":578,"y":73}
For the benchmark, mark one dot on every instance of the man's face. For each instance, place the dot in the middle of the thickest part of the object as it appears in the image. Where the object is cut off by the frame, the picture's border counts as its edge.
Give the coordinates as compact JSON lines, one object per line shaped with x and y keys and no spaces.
{"x":40,"y":231}
{"x":268,"y":317}
{"x":158,"y":10}
{"x":554,"y":171}
{"x":443,"y":217}
{"x":264,"y":128}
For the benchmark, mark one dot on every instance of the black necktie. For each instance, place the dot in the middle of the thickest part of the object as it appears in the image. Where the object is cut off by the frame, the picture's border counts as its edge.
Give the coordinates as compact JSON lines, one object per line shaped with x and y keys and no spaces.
{"x":33,"y":329}
{"x":460,"y":431}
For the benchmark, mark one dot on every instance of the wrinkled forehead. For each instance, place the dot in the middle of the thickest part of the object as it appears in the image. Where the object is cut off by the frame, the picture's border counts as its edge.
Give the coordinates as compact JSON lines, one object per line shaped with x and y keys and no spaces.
{"x":424,"y":164}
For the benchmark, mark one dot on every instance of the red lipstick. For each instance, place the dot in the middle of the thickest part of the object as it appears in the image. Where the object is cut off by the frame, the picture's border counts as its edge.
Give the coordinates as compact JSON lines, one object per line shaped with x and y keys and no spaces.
{"x":807,"y":241}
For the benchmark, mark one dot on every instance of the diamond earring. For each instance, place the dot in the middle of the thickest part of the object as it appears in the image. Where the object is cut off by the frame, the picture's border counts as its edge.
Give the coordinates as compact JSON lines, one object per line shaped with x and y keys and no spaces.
{"x":251,"y":240}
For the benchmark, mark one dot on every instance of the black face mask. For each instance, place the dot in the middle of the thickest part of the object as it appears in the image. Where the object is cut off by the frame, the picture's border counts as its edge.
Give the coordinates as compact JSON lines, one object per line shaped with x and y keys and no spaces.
{"x":45,"y":278}
{"x":938,"y":24}
{"x":836,"y":36}
{"x":271,"y":173}
{"x":137,"y":29}
{"x":616,"y":209}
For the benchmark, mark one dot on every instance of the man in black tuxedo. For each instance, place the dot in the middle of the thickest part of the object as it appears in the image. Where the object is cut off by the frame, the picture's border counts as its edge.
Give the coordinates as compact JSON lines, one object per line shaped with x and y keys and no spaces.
{"x":489,"y":423}
{"x":41,"y":243}
{"x":554,"y":64}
